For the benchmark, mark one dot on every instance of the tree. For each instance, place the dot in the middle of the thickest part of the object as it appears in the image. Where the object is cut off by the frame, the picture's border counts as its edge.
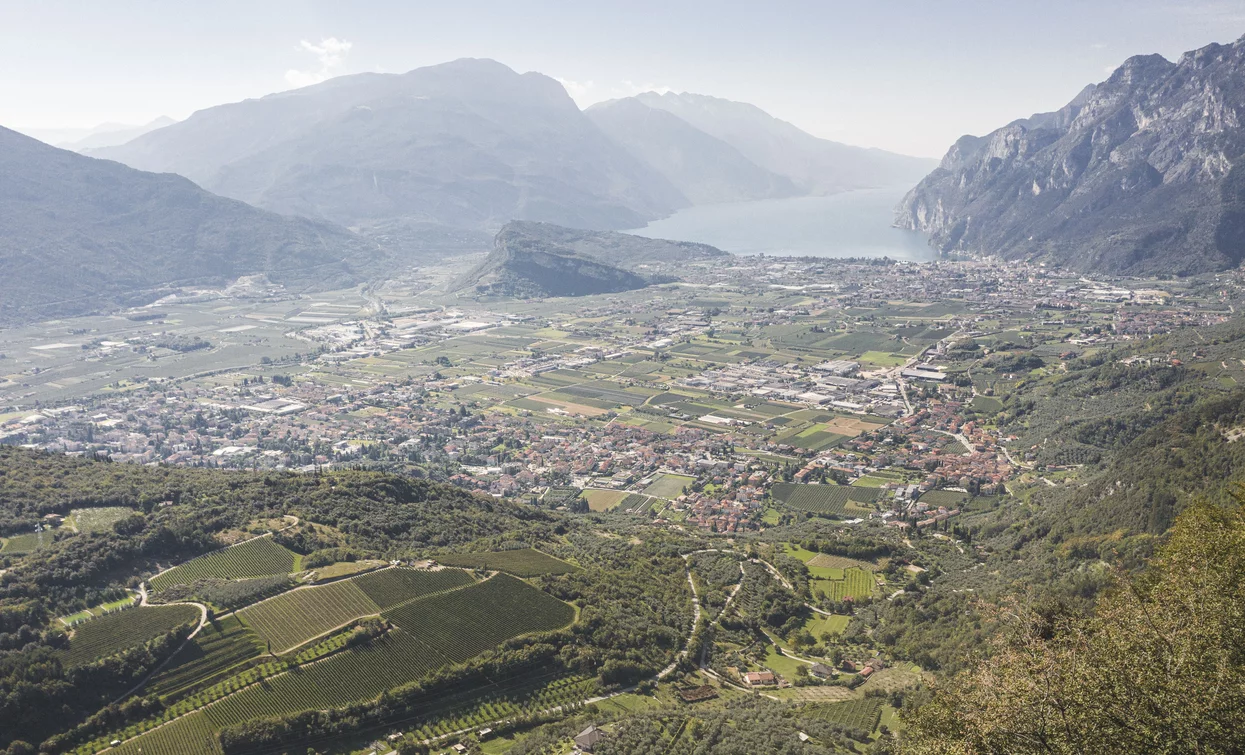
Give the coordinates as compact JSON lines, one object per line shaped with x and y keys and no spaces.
{"x":1158,"y":667}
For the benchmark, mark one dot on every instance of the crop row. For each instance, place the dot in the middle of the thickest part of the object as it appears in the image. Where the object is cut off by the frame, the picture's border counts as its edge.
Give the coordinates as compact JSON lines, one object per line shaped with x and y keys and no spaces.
{"x":464,"y":623}
{"x":115,"y":632}
{"x":860,"y":714}
{"x":294,"y":617}
{"x":217,"y":648}
{"x":523,"y":563}
{"x":260,"y":557}
{"x":389,"y":587}
{"x":856,"y":583}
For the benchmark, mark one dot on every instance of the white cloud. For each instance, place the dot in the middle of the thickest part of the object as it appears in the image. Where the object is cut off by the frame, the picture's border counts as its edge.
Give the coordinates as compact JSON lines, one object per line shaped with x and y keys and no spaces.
{"x":330,"y":53}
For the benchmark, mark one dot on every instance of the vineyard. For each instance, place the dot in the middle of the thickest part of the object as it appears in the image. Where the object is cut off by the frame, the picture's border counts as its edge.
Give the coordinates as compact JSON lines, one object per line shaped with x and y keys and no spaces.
{"x":214,"y":650}
{"x":28,"y":542}
{"x":194,"y":734}
{"x":466,"y":622}
{"x":115,"y":632}
{"x":389,"y":587}
{"x":860,"y":714}
{"x":826,"y":500}
{"x":856,"y":583}
{"x":294,"y":617}
{"x":98,"y":519}
{"x":521,"y":563}
{"x":260,"y":557}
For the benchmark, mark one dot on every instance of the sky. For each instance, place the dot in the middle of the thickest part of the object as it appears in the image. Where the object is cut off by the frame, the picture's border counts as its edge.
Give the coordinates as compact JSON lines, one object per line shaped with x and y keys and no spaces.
{"x":909,"y":76}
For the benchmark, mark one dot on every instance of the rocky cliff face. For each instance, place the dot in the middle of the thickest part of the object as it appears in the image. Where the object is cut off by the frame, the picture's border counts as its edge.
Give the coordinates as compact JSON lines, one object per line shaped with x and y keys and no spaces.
{"x":1142,"y":173}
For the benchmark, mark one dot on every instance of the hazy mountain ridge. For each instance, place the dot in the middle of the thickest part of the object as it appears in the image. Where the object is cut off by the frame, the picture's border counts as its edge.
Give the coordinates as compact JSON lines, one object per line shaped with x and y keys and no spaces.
{"x":79,"y":234}
{"x":468,"y":144}
{"x":704,"y":168}
{"x":1139,"y":174}
{"x":815,"y":166}
{"x":542,"y":259}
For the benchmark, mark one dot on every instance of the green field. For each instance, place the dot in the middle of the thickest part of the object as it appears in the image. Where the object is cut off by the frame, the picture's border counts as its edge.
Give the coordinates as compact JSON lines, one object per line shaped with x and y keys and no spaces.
{"x":260,"y":557}
{"x":821,"y":624}
{"x":824,"y":500}
{"x":216,"y":649}
{"x":97,"y":519}
{"x":603,"y":500}
{"x":431,"y":633}
{"x":668,"y":486}
{"x":950,"y":498}
{"x":111,"y":634}
{"x":28,"y":542}
{"x":860,"y":714}
{"x":294,"y":617}
{"x":525,"y":562}
{"x":856,"y":583}
{"x":466,"y":622}
{"x":389,"y":587}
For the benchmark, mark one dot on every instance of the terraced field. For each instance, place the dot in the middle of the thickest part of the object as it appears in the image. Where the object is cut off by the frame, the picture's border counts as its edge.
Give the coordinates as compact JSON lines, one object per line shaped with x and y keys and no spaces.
{"x":260,"y":557}
{"x":466,"y":622}
{"x":389,"y":587}
{"x":523,"y":563}
{"x":111,"y":634}
{"x":292,"y":618}
{"x":213,"y":651}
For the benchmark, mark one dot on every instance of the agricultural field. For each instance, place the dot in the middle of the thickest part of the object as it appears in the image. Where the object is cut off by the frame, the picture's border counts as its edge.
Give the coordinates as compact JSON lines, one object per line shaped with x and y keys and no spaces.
{"x":827,"y":561}
{"x":220,"y":646}
{"x":949,"y":498}
{"x":820,"y":624}
{"x":100,"y":610}
{"x":115,"y":632}
{"x":260,"y":557}
{"x":292,"y":618}
{"x":824,"y":500}
{"x":463,"y":623}
{"x":668,"y":486}
{"x":97,"y":519}
{"x":345,"y":569}
{"x":390,"y":587}
{"x":862,"y":714}
{"x":603,"y":500}
{"x":521,"y":563}
{"x":460,"y":623}
{"x":28,"y":542}
{"x":856,"y":583}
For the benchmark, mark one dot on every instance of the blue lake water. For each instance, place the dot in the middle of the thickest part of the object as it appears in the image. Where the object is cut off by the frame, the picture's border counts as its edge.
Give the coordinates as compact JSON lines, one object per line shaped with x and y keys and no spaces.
{"x":851,"y":224}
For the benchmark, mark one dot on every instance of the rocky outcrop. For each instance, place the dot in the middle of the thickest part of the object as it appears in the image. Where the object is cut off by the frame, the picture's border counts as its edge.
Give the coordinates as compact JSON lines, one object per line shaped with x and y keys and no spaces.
{"x":1139,"y":174}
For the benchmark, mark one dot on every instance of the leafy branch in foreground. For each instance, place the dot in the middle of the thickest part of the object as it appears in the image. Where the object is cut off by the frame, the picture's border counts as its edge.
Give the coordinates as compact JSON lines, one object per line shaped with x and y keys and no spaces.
{"x":1159,"y":667}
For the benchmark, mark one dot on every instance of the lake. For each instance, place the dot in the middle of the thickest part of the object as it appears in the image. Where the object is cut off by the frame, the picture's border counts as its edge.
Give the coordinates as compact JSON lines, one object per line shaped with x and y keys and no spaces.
{"x":851,"y":224}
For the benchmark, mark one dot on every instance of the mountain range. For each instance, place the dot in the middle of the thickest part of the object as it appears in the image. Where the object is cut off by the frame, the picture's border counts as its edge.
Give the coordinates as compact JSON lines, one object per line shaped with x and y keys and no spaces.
{"x":102,"y":135}
{"x":1142,"y":173}
{"x":79,"y":234}
{"x":535,"y":260}
{"x":471,"y":144}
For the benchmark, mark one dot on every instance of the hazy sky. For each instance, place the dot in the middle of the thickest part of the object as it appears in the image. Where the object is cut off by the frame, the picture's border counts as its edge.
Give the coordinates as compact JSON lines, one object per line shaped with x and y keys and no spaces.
{"x":905,"y":75}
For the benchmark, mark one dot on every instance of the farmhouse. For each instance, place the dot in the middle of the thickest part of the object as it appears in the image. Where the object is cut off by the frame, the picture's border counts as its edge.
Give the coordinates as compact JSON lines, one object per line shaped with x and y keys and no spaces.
{"x":821,"y":671}
{"x":760,"y":678}
{"x":588,"y":738}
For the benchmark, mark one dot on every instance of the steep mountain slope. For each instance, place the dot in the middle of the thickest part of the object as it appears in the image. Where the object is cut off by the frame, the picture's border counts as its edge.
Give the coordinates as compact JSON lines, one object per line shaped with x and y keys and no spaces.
{"x":468,"y":144}
{"x":113,"y":134}
{"x":1142,"y":173}
{"x":542,"y":259}
{"x":704,"y":168}
{"x":815,"y":166}
{"x":79,"y":234}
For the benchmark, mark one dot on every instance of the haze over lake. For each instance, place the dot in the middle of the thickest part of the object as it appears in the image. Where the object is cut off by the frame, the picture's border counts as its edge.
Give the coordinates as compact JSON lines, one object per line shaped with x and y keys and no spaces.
{"x":850,"y":224}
